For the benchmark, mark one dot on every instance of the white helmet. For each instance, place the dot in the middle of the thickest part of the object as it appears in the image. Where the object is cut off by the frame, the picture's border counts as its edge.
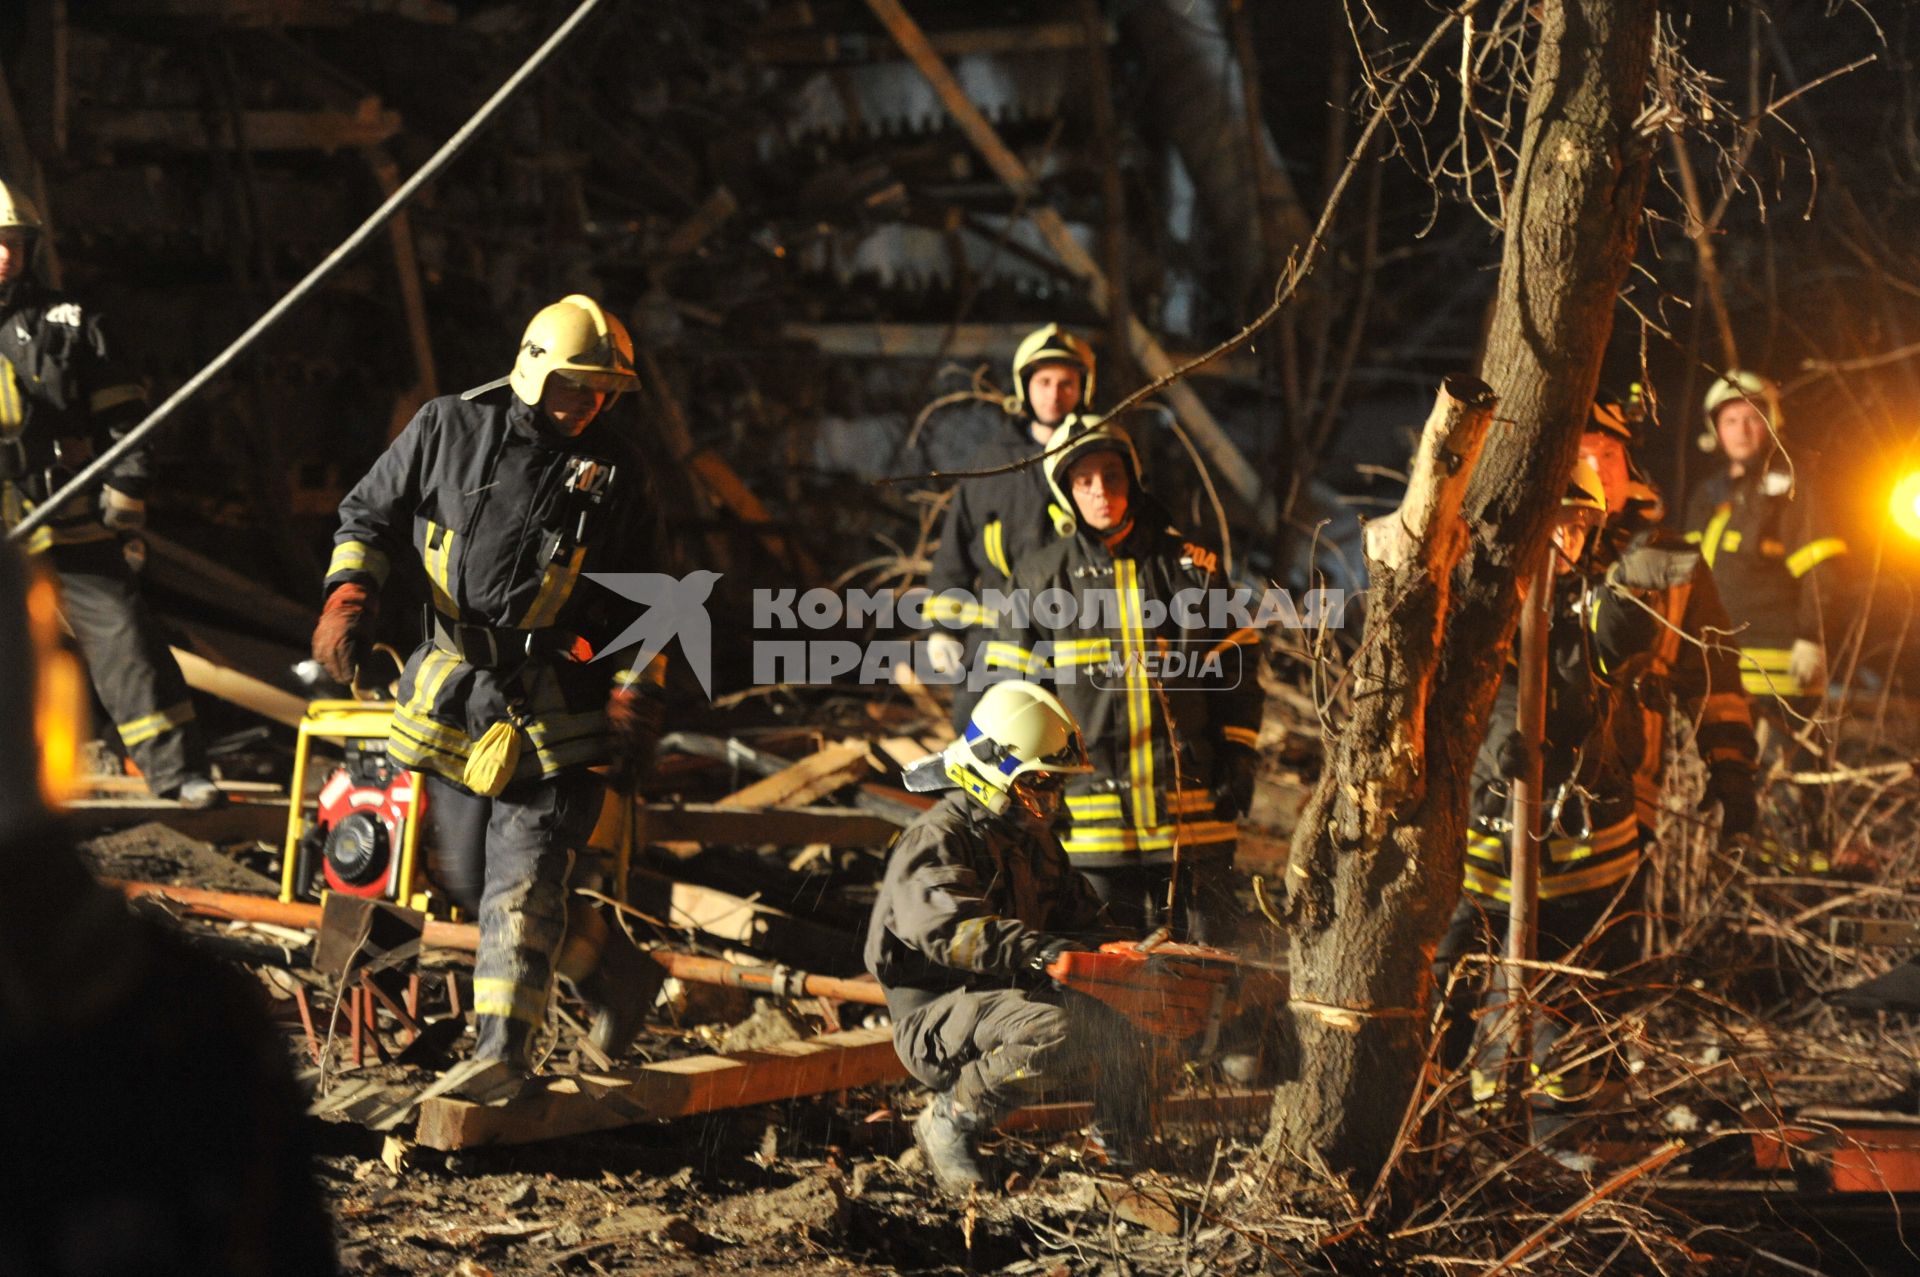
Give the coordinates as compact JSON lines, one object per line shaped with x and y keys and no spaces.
{"x":1017,"y":730}
{"x":1739,"y":384}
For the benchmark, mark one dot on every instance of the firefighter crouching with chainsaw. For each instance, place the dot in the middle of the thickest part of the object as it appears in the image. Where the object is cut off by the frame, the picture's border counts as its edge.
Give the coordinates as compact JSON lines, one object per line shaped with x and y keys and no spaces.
{"x":1168,"y":695}
{"x":977,"y":901}
{"x":504,"y":497}
{"x":1607,"y":664}
{"x":64,"y":398}
{"x":995,"y":520}
{"x":195,"y":1154}
{"x":1761,"y":527}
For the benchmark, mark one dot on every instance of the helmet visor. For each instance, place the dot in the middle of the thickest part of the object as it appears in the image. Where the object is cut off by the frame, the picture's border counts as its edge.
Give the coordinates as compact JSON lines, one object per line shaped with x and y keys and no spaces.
{"x":603,"y":380}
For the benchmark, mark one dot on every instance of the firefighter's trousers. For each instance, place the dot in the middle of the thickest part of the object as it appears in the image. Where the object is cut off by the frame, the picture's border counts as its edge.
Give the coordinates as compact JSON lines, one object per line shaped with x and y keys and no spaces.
{"x":1594,"y":929}
{"x":996,"y":1049}
{"x":132,"y":669}
{"x":506,"y":860}
{"x":1136,"y":897}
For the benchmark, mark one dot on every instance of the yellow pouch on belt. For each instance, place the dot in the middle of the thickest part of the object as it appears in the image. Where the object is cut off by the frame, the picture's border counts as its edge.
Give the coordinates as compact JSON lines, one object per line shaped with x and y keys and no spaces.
{"x":493,"y":760}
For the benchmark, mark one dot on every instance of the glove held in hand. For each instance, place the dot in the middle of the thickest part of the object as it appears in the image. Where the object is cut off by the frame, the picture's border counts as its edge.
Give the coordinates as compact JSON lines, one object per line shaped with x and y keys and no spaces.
{"x":346,"y":623}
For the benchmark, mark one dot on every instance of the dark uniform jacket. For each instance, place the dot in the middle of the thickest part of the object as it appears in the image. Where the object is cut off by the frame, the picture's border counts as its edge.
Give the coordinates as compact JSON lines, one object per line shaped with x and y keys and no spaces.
{"x":503,"y":519}
{"x":990,"y":525}
{"x":1614,"y":667}
{"x":1156,"y":687}
{"x":1773,"y":555}
{"x":969,"y":899}
{"x":63,"y":400}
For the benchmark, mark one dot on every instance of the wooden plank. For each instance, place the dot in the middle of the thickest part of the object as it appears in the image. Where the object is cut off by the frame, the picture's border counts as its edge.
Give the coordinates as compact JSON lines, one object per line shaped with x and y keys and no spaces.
{"x":264,"y":130}
{"x":244,"y":820}
{"x":249,"y":693}
{"x":1240,"y":477}
{"x":1219,"y":1106}
{"x":1875,"y":933}
{"x":785,"y":936}
{"x":669,"y":1089}
{"x":413,"y":304}
{"x":704,"y":221}
{"x":808,"y":780}
{"x":783,"y":827}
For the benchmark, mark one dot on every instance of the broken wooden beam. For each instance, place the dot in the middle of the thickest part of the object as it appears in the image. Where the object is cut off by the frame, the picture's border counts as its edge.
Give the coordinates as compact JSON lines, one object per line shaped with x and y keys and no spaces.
{"x":668,"y":1089}
{"x":240,"y":820}
{"x":174,"y":567}
{"x":809,"y":780}
{"x":686,"y":906}
{"x":249,"y":693}
{"x":289,"y":13}
{"x":709,"y":823}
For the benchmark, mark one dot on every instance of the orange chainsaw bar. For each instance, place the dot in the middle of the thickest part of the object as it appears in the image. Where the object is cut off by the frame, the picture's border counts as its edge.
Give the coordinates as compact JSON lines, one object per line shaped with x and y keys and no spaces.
{"x":1173,"y":991}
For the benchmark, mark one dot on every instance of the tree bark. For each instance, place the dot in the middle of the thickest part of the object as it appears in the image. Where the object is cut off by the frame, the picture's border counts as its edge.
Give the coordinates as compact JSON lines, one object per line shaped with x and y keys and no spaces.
{"x":1376,"y":864}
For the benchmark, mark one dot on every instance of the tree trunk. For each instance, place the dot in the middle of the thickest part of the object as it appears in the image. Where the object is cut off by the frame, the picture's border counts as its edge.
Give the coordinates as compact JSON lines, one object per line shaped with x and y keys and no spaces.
{"x":1376,"y":863}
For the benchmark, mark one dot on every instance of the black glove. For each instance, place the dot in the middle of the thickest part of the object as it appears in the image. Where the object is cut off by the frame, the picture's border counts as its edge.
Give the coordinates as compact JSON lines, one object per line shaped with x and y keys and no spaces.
{"x":1512,"y":756}
{"x":1730,"y":784}
{"x":1055,"y":946}
{"x":1234,"y":769}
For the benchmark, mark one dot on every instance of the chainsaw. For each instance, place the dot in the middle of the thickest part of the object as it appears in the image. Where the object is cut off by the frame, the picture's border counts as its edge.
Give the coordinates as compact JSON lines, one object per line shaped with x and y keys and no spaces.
{"x":1179,"y":993}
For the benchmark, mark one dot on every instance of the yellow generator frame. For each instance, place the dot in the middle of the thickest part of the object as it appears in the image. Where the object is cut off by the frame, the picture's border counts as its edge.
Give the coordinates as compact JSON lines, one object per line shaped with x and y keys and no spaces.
{"x":347,"y":720}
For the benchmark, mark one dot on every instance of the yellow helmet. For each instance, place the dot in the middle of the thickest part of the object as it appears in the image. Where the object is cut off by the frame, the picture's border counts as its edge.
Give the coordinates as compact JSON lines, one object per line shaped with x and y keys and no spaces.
{"x":1017,"y":729}
{"x":1077,"y":437}
{"x":1050,"y":345}
{"x":43,"y":698}
{"x":578,"y":339}
{"x":1585,"y":491}
{"x":1762,"y":392}
{"x":17,"y":210}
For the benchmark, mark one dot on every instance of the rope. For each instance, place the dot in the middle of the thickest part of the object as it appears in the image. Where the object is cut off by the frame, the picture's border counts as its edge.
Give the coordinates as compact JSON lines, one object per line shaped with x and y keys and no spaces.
{"x":92,"y":474}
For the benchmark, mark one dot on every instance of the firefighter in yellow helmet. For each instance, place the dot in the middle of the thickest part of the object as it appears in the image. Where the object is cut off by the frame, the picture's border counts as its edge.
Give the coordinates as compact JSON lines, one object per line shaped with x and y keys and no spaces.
{"x":1779,"y":562}
{"x":1164,"y":683}
{"x":501,"y":499}
{"x":991,"y":522}
{"x":1593,"y":843}
{"x":63,"y":398}
{"x":976,"y":901}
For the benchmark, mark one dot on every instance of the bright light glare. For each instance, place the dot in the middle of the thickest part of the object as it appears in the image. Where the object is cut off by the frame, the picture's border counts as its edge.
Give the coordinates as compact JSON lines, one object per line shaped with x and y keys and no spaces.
{"x":1905,"y":505}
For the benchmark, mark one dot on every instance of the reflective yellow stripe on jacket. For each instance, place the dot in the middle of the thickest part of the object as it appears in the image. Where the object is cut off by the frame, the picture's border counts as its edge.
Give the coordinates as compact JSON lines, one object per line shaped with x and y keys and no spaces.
{"x":1813,"y":554}
{"x":359,"y":556}
{"x":1768,"y":671}
{"x":1614,"y":852}
{"x":993,"y":539}
{"x":1139,"y":697}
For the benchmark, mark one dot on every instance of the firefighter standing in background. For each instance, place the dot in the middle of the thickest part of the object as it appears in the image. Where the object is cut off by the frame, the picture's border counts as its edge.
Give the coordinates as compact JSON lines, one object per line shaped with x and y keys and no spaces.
{"x":1671,"y":578}
{"x":504,"y":496}
{"x":62,"y":400}
{"x":1160,"y":680}
{"x":1761,"y":528}
{"x":994,"y":520}
{"x":1605,"y":640}
{"x":195,"y":1157}
{"x":977,"y":900}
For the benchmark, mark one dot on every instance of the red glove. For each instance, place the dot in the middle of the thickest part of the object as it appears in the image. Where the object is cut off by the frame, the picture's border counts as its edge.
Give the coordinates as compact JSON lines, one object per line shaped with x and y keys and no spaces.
{"x":346,"y":627}
{"x":635,"y":718}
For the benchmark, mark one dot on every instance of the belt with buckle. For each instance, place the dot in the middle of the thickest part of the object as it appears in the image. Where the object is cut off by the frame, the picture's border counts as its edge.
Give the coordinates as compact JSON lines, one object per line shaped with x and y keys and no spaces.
{"x":490,"y":647}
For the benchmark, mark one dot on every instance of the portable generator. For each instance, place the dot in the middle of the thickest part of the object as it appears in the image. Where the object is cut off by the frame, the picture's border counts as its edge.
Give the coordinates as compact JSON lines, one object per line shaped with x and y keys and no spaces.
{"x":364,"y":835}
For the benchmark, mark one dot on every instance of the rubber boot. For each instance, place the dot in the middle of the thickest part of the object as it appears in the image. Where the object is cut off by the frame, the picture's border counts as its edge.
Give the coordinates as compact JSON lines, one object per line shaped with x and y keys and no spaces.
{"x":945,"y":1138}
{"x":620,"y":993}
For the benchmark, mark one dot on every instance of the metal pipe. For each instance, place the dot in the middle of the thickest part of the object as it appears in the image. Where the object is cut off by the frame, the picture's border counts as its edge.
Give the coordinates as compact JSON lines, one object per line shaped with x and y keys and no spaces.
{"x":351,"y":245}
